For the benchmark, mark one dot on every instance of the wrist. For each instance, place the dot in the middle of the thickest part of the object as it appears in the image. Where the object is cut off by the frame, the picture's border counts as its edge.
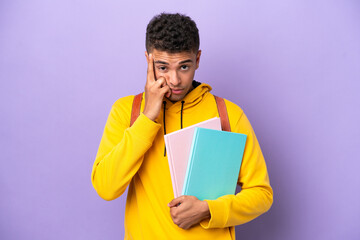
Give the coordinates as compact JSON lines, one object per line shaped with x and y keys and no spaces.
{"x":150,"y":116}
{"x":205,"y":210}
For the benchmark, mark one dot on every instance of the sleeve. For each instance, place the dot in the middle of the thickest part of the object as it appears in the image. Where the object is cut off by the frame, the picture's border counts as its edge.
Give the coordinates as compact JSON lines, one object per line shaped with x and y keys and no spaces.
{"x":121,"y":150}
{"x":256,"y":195}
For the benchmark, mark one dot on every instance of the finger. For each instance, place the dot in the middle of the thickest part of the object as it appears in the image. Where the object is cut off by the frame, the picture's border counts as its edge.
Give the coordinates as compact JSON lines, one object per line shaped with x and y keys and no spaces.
{"x":161,"y":82}
{"x":150,"y":69}
{"x":185,"y":226}
{"x":164,"y":83}
{"x":175,"y":202}
{"x":166,"y":91}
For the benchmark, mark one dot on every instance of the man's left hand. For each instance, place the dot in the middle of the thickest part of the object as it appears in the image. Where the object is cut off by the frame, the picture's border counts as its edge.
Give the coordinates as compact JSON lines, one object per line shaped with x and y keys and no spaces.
{"x":186,"y":211}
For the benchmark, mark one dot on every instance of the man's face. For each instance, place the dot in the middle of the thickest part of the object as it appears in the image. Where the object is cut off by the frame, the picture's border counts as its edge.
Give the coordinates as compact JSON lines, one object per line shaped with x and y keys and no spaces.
{"x":178,"y":69}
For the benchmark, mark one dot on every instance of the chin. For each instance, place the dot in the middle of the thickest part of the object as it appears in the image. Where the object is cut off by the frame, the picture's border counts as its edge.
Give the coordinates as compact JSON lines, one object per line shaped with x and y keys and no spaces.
{"x":176,"y":98}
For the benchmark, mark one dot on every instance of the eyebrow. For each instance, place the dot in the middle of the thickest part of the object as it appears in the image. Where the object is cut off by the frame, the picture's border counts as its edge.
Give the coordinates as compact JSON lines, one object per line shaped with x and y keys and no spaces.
{"x":161,"y":62}
{"x":186,"y":61}
{"x":165,"y":63}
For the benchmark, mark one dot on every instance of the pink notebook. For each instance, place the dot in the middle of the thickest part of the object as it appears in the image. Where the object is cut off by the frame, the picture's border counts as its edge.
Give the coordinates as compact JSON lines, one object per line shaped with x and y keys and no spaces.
{"x":178,"y":146}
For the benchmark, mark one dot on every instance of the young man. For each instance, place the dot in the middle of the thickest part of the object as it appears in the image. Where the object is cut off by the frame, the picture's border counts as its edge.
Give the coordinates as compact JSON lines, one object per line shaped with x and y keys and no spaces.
{"x":136,"y":154}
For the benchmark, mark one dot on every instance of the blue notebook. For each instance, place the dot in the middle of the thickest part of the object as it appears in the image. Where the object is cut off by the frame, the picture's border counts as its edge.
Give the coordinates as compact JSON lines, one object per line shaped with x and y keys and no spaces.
{"x":214,"y":163}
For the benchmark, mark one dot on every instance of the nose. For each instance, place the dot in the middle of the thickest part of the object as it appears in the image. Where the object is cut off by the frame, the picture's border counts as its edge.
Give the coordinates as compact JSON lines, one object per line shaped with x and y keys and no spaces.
{"x":174,"y":78}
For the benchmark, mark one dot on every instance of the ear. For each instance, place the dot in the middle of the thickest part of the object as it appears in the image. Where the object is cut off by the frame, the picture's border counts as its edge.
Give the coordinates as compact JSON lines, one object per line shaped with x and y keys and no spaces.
{"x":147,"y":56}
{"x":198,"y":59}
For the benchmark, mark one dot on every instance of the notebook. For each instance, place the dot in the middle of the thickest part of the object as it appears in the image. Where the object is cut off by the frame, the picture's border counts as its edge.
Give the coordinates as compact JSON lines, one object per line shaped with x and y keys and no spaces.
{"x":214,"y":163}
{"x":178,"y":146}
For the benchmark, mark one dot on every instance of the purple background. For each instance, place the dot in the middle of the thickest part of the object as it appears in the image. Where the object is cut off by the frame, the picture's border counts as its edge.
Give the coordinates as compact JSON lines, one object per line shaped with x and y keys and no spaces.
{"x":293,"y":66}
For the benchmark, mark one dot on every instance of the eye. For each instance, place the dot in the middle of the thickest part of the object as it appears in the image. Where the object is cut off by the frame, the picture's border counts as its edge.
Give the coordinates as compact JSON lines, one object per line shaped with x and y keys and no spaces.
{"x":162,"y":68}
{"x":184,"y":67}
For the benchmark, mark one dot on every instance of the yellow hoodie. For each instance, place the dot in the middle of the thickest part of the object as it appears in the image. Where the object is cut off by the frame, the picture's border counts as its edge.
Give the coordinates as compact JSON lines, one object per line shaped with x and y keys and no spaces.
{"x":135,"y":155}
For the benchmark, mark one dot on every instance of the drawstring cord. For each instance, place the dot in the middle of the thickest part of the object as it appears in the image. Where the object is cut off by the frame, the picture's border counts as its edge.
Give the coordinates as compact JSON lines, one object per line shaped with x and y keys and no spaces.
{"x":164,"y":103}
{"x":181,"y":120}
{"x":181,"y":114}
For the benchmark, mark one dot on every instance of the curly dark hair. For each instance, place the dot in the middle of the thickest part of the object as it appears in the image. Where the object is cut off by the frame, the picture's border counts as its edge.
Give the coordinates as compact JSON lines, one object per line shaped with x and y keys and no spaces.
{"x":172,"y":33}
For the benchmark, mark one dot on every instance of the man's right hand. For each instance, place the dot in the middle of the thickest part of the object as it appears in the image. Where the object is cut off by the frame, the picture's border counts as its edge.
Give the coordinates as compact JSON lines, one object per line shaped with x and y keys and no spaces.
{"x":155,"y":90}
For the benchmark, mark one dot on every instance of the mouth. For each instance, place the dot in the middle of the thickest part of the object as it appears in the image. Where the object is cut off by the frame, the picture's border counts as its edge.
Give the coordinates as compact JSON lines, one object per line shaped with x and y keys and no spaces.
{"x":177,"y":91}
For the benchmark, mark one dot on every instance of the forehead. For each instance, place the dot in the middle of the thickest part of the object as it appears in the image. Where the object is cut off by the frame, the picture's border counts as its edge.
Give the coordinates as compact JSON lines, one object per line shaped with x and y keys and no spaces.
{"x":172,"y":58}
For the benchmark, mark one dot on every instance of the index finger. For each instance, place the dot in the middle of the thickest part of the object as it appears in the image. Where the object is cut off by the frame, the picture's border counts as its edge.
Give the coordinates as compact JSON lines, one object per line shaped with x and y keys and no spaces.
{"x":176,"y":201}
{"x":150,"y":69}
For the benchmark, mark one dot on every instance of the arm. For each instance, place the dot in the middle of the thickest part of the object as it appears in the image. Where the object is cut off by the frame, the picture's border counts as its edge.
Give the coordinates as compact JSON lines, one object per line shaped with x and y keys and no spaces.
{"x":121,"y":150}
{"x":256,"y":196}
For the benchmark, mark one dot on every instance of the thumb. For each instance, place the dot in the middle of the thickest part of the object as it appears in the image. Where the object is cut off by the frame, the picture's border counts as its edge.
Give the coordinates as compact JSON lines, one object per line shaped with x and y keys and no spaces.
{"x":168,"y":94}
{"x":175,"y":202}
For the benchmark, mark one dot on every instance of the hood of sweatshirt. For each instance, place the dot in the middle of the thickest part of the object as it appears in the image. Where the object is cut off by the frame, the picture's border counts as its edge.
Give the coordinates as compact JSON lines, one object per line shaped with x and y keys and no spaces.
{"x":173,"y":112}
{"x":190,"y":100}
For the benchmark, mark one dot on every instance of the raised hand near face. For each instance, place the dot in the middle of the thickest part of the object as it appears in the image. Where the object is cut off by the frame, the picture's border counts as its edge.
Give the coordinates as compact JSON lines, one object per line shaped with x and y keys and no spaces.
{"x":155,"y":90}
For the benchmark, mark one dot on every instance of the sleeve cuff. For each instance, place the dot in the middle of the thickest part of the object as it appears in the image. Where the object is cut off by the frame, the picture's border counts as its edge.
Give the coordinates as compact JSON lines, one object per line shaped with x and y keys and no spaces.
{"x":218,"y":215}
{"x":145,"y":129}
